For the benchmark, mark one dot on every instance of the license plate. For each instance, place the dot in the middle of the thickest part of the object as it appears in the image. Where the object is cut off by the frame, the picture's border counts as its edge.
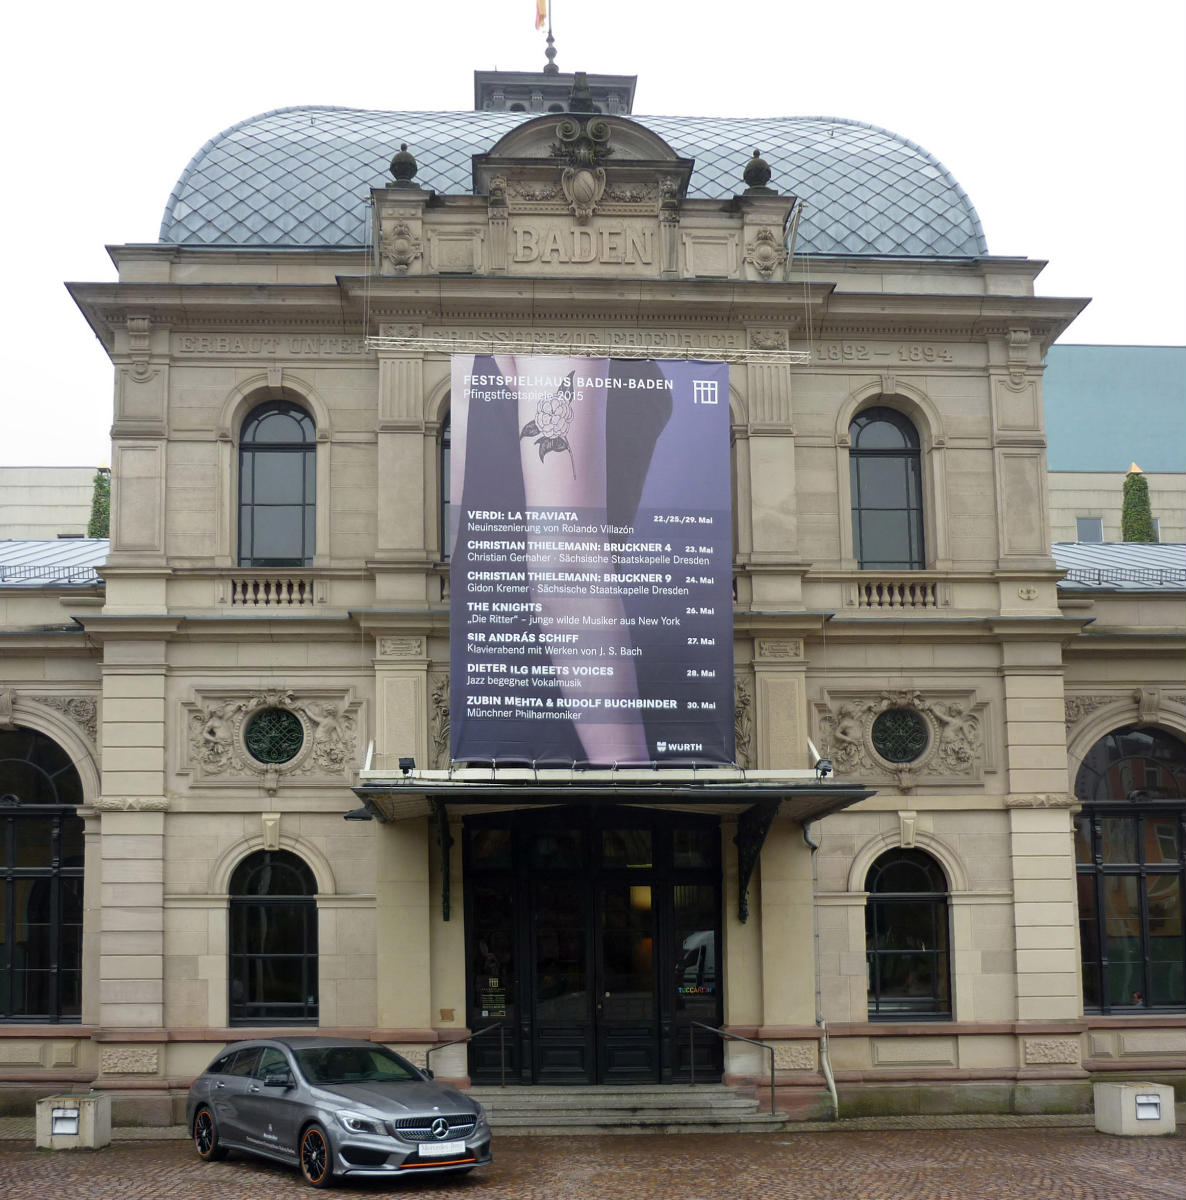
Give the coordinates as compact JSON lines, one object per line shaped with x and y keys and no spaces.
{"x":442,"y":1149}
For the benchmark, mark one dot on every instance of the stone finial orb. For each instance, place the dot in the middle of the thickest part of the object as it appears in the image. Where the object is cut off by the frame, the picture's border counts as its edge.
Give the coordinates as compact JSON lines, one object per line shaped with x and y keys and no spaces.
{"x":757,"y":172}
{"x":403,"y":166}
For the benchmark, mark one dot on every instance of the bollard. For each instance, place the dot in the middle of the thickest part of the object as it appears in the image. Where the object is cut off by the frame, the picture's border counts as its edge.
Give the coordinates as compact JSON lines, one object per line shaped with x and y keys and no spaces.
{"x":81,"y":1121}
{"x":1134,"y":1109}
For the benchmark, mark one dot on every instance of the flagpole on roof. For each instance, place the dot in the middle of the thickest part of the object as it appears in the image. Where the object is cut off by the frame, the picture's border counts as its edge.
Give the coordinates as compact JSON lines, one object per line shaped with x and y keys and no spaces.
{"x":550,"y":68}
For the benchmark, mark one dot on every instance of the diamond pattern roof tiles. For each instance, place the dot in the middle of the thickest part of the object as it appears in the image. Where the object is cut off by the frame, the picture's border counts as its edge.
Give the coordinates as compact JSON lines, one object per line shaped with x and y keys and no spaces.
{"x":301,"y":177}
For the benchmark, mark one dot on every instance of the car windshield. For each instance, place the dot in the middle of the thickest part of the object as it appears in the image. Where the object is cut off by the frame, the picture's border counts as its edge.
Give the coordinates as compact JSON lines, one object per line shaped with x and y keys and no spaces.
{"x":354,"y":1064}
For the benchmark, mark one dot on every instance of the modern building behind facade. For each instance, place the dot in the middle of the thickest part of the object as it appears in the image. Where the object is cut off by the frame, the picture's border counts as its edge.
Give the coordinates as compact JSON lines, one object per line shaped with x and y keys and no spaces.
{"x":1109,"y":408}
{"x":45,"y":502}
{"x":993,"y":915}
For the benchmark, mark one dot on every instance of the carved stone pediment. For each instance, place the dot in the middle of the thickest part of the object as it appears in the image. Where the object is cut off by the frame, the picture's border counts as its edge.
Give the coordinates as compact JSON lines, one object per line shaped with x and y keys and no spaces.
{"x":581,"y":164}
{"x":535,"y":139}
{"x":324,"y":728}
{"x":906,"y":737}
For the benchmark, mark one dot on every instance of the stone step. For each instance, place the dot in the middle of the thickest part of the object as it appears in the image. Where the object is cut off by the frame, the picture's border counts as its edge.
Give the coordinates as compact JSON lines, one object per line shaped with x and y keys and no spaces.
{"x":501,"y":1102}
{"x":546,"y":1128}
{"x":704,"y":1108}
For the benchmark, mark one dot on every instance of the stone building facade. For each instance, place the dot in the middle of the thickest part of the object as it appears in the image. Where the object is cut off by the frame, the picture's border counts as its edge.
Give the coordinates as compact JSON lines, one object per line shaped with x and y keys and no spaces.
{"x":253,"y":656}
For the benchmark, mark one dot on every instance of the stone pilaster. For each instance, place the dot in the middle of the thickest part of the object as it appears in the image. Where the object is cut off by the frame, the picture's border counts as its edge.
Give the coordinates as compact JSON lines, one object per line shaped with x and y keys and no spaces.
{"x":405,"y":911}
{"x":1044,"y":908}
{"x":131,"y":832}
{"x":780,"y":683}
{"x":401,"y":698}
{"x":788,"y":957}
{"x":131,"y":959}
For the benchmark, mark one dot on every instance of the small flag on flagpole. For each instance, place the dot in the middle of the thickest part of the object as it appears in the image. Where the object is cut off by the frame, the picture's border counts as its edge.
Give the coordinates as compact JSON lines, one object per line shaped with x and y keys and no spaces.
{"x":541,"y":13}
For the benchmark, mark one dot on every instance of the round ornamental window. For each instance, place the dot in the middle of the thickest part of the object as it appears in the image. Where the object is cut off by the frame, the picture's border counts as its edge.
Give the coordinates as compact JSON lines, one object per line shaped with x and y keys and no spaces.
{"x":900,"y":735}
{"x":274,"y":735}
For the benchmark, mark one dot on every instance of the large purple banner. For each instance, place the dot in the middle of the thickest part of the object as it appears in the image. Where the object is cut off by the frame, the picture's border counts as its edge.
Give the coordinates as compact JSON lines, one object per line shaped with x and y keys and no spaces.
{"x":591,"y":561}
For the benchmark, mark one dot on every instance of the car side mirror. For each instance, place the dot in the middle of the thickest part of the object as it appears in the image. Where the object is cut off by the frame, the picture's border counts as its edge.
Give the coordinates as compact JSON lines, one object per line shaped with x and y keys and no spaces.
{"x":280,"y":1079}
{"x":427,"y":1073}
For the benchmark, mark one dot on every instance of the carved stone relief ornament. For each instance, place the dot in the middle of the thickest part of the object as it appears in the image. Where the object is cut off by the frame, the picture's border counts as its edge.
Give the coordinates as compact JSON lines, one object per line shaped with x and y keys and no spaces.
{"x":1041,"y":800}
{"x":129,"y":1060}
{"x":1047,"y":1051}
{"x":768,"y":339}
{"x":399,"y":246}
{"x":668,"y":202}
{"x":401,"y":647}
{"x":765,"y":252}
{"x":130,"y":804}
{"x":1078,"y":707}
{"x":789,"y":648}
{"x":439,"y":721}
{"x":1148,"y":701}
{"x":400,"y":331}
{"x":539,"y":195}
{"x":266,"y":735}
{"x":583,"y":190}
{"x":907,"y":736}
{"x":139,"y":349}
{"x":583,"y":145}
{"x":743,"y":721}
{"x":1018,"y":350}
{"x":638,"y":194}
{"x":82,"y":710}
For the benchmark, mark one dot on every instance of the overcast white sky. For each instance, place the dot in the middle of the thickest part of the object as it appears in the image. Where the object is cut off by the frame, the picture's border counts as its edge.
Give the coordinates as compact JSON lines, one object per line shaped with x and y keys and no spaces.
{"x":1064,"y":120}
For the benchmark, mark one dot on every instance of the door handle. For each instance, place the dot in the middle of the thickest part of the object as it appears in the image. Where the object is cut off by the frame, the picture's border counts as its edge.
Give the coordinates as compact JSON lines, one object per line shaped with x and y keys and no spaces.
{"x":219,"y":1085}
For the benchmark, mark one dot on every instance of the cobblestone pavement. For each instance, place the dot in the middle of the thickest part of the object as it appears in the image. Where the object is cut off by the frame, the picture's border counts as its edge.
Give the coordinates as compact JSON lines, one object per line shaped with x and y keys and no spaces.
{"x":1002,"y":1163}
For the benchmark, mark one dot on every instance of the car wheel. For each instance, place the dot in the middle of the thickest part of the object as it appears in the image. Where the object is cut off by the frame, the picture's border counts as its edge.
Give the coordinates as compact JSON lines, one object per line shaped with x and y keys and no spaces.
{"x":315,"y":1163}
{"x":206,"y":1136}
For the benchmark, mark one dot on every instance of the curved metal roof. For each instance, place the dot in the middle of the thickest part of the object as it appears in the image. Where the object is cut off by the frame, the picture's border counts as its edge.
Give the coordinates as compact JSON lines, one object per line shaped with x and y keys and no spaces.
{"x":300,"y":177}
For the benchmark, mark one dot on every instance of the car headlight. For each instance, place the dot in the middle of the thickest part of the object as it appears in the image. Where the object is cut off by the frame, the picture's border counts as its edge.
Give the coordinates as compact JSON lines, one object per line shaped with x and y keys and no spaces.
{"x":356,"y":1123}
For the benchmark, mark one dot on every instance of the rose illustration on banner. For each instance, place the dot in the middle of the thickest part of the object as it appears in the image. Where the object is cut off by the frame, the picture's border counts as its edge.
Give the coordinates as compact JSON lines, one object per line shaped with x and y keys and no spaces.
{"x":553,"y":416}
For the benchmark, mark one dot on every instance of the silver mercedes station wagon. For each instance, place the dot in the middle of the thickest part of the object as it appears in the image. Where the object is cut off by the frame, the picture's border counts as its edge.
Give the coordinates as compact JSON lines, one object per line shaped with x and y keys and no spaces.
{"x":335,"y":1108}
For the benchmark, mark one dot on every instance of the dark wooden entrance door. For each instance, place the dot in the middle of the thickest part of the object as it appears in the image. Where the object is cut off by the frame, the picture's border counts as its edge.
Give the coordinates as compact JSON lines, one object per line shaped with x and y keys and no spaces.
{"x":561,"y":1024}
{"x":595,"y":1011}
{"x":592,"y":936}
{"x":624,"y":1000}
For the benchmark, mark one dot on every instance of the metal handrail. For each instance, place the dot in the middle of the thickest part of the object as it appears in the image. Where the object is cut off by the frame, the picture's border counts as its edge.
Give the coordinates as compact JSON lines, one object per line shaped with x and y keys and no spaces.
{"x":735,"y":1037}
{"x":502,"y":1047}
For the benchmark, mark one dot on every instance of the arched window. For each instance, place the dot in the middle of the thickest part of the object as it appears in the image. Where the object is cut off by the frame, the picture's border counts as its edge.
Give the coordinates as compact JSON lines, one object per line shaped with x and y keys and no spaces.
{"x":277,"y":486}
{"x":906,"y":937}
{"x":446,"y":484}
{"x":885,"y":475}
{"x":41,"y":869}
{"x":273,"y":941}
{"x":1129,"y":840}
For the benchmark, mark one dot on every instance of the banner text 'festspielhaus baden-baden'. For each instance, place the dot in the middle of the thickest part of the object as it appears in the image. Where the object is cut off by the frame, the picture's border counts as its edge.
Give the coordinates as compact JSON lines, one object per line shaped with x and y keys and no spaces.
{"x":591,"y":561}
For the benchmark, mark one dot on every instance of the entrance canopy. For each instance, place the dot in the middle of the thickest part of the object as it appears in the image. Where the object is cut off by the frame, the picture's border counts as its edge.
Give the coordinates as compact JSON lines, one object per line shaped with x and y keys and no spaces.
{"x":754,"y":798}
{"x":802,"y":796}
